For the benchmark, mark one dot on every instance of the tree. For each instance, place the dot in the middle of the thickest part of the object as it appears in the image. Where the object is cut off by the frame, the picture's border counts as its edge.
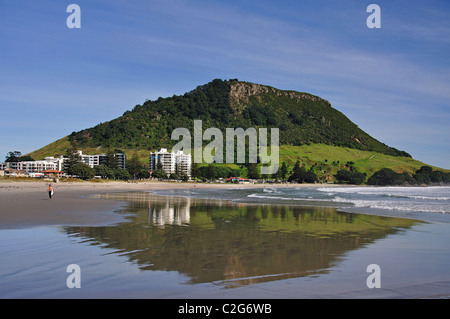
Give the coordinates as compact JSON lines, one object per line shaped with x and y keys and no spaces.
{"x":357,"y":178}
{"x":159,"y":173}
{"x":184,"y":177}
{"x":275,"y":175}
{"x":311,"y":177}
{"x":437,"y":176}
{"x":252,"y":171}
{"x":298,"y":173}
{"x":103,"y":171}
{"x":283,"y":170}
{"x":73,"y":158}
{"x":25,"y":158}
{"x":350,"y":176}
{"x":426,"y":175}
{"x":195,"y":170}
{"x":83,"y":171}
{"x":16,"y":156}
{"x":121,"y":174}
{"x":13,"y":156}
{"x":210,"y":172}
{"x":423,"y":175}
{"x":143,"y":174}
{"x":134,"y":166}
{"x":384,"y":176}
{"x":111,"y":160}
{"x":406,"y":178}
{"x":446,"y":178}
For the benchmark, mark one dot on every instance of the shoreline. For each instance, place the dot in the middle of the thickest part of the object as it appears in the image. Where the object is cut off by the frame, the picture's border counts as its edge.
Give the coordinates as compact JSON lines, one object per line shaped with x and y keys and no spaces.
{"x":26,"y":204}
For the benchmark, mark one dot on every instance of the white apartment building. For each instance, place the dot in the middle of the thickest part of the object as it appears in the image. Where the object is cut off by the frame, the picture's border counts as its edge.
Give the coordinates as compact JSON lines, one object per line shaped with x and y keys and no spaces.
{"x":170,"y":161}
{"x":90,"y":160}
{"x":49,"y":163}
{"x":52,"y":163}
{"x":184,"y":162}
{"x":99,"y":159}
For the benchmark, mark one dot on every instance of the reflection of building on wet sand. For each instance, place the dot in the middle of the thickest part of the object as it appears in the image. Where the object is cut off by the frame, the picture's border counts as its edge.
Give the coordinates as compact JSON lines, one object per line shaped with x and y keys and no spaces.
{"x":161,"y":210}
{"x":170,"y":213}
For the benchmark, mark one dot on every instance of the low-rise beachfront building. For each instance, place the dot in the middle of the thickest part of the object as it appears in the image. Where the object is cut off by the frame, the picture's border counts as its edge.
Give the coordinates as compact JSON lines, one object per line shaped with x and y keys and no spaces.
{"x":56,"y":164}
{"x":49,"y":163}
{"x":170,"y":161}
{"x":238,"y":179}
{"x":3,"y":166}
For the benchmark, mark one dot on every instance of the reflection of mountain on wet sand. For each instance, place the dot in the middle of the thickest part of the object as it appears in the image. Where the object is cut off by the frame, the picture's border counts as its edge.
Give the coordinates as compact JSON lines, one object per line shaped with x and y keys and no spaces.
{"x":235,"y":244}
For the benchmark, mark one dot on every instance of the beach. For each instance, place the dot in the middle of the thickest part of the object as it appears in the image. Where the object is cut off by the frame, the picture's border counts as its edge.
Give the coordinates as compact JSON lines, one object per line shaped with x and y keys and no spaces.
{"x":26,"y":203}
{"x":166,"y":240}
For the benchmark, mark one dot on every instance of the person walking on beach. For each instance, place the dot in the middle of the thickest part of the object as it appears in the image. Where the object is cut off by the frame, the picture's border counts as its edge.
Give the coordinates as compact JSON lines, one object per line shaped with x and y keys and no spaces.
{"x":50,"y":191}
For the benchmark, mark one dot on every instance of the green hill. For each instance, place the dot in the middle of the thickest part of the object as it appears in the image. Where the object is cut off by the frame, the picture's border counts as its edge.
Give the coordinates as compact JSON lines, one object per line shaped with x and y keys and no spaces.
{"x":310,"y":128}
{"x":302,"y":119}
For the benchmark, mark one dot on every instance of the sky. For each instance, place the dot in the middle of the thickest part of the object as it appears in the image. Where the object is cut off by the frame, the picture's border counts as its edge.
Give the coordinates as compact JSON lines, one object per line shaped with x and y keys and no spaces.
{"x":392,"y":81}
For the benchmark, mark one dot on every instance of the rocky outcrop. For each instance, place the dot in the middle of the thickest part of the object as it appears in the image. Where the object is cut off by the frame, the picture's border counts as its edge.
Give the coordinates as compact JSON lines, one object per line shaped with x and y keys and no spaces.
{"x":241,"y":92}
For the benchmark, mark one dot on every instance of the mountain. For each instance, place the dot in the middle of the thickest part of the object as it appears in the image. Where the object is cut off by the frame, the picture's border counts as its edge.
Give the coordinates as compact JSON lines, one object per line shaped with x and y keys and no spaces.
{"x":302,"y":119}
{"x":311,"y":130}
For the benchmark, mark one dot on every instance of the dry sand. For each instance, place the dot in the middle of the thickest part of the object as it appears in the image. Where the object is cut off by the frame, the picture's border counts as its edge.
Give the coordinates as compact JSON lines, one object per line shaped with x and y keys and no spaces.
{"x":26,"y":203}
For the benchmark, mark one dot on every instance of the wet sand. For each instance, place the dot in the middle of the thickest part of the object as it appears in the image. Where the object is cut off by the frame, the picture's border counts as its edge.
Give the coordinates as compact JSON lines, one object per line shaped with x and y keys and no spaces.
{"x":26,"y":204}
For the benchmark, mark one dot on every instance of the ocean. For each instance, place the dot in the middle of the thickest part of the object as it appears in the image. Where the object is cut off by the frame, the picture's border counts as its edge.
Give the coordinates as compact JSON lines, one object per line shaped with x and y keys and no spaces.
{"x":423,"y":203}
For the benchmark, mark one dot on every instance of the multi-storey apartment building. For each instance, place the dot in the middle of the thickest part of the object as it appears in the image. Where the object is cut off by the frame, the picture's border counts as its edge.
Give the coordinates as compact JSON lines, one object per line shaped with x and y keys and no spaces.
{"x":100,"y":159}
{"x":170,"y":161}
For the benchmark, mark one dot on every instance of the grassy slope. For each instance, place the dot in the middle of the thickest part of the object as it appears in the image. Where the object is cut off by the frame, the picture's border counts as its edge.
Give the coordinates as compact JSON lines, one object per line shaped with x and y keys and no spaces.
{"x":365,"y":161}
{"x":54,"y":149}
{"x":60,"y":146}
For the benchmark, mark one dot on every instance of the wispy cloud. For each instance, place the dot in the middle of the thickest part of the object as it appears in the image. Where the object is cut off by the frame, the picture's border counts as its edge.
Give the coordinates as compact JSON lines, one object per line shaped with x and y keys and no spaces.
{"x":386,"y":80}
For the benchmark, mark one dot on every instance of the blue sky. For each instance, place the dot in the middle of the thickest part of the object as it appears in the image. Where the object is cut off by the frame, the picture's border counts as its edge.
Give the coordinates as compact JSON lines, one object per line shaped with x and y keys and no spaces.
{"x":394,"y":82}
